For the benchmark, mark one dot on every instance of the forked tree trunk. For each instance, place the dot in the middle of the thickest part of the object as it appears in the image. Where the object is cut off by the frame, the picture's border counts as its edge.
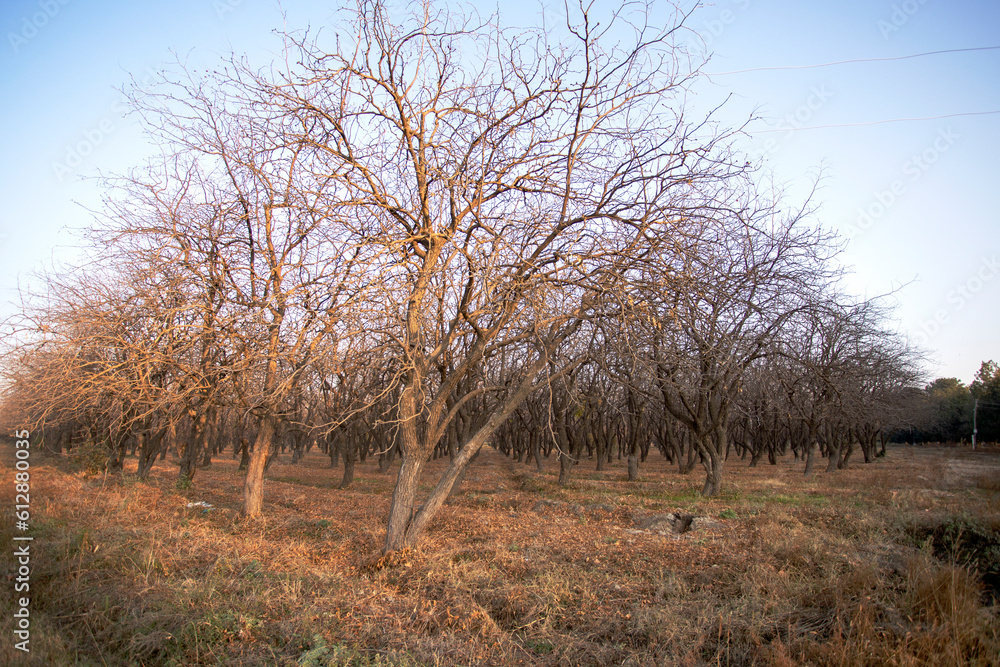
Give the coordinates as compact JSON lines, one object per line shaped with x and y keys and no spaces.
{"x":845,"y":456}
{"x":403,"y":496}
{"x":116,"y":463}
{"x":833,"y":455}
{"x":457,"y":486}
{"x":405,"y":492}
{"x":151,"y":445}
{"x":192,"y":447}
{"x":712,"y":461}
{"x":465,"y":455}
{"x":713,"y":475}
{"x":601,"y":445}
{"x":118,"y":435}
{"x":406,"y":526}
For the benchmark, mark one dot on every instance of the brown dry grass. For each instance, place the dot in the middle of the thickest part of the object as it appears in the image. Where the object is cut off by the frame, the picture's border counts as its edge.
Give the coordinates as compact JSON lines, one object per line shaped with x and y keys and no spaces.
{"x":867,"y":566}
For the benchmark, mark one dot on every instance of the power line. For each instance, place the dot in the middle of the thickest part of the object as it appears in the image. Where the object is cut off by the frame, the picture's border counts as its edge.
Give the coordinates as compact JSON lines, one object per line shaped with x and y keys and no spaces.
{"x":856,"y":60}
{"x":876,"y":122}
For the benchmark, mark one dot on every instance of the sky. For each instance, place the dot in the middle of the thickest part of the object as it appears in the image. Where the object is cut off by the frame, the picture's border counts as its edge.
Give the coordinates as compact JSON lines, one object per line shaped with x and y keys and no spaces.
{"x":916,"y":199}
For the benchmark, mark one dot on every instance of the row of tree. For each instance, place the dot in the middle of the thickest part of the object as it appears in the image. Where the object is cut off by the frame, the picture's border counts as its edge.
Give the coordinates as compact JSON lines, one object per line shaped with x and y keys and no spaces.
{"x":952,"y":411}
{"x":441,"y":233}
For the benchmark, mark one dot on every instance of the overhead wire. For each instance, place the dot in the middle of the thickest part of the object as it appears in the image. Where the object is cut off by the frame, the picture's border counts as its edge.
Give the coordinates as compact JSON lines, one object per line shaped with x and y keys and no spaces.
{"x":875,"y":122}
{"x":864,"y":60}
{"x":853,"y":60}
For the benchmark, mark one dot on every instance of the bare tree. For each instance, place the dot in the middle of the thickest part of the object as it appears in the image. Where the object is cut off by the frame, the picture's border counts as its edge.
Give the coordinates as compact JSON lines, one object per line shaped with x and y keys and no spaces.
{"x":501,"y":174}
{"x":394,"y":242}
{"x":716,"y":300}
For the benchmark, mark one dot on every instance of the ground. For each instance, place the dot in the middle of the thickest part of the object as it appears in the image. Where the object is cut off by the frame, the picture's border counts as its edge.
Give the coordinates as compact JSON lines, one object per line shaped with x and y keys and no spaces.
{"x":893,"y":562}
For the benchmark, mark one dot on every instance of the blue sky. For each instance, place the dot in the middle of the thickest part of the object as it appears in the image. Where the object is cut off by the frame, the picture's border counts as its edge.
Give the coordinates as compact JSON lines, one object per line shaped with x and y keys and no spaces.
{"x":916,"y":199}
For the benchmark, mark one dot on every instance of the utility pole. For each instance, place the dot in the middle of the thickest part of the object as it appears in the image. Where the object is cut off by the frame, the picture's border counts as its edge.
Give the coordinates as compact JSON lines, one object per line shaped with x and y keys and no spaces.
{"x":975,"y":411}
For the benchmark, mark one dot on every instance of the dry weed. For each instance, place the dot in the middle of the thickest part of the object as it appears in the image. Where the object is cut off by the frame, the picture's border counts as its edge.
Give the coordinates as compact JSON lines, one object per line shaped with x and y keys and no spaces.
{"x":795,"y":572}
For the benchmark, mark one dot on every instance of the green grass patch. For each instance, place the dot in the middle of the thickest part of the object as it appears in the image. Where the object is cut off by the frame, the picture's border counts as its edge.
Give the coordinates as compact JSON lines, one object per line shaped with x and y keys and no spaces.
{"x":540,"y":646}
{"x":800,"y":499}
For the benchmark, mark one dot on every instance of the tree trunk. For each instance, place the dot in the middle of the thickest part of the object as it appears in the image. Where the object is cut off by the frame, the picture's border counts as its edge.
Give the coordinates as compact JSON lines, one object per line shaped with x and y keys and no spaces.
{"x":272,"y":455}
{"x":384,"y":461}
{"x":139,"y":441}
{"x":712,"y":463}
{"x":244,"y":453}
{"x":404,"y":526}
{"x":456,"y":487}
{"x":565,"y":466}
{"x":118,"y":435}
{"x":713,"y":477}
{"x":686,"y":466}
{"x":403,"y":497}
{"x":298,"y":446}
{"x":713,"y":450}
{"x":116,"y":463}
{"x":207,"y":436}
{"x":151,"y":445}
{"x":253,"y":487}
{"x":633,"y":459}
{"x":455,"y":471}
{"x":810,"y":456}
{"x":189,"y":455}
{"x":833,"y":450}
{"x":845,"y":456}
{"x":349,"y":459}
{"x":566,"y":454}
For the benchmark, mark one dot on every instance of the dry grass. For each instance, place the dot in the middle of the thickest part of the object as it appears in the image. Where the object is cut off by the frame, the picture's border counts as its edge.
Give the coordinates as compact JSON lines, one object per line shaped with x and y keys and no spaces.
{"x":876,"y":565}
